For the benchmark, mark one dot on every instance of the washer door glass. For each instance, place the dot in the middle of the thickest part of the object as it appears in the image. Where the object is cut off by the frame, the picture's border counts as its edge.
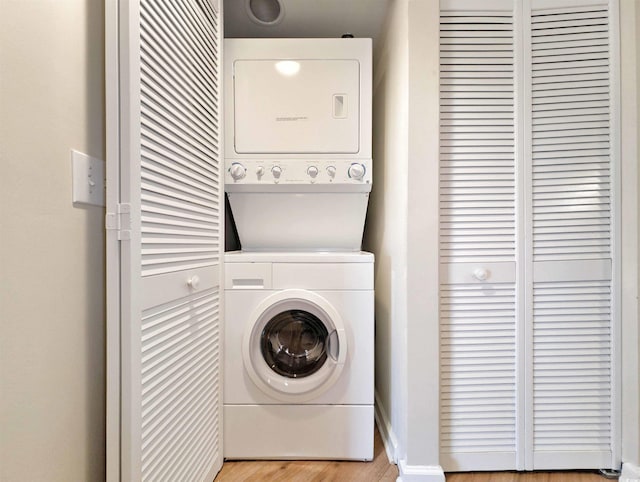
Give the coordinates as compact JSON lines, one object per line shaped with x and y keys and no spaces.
{"x":294,"y":343}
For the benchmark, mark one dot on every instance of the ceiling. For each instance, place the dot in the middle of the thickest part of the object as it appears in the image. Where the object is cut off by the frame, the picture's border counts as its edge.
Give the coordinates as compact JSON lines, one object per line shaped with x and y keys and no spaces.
{"x":310,"y":19}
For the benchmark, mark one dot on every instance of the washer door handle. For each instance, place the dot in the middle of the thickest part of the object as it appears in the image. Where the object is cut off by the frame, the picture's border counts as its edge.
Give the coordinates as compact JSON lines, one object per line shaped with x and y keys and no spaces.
{"x":333,"y":347}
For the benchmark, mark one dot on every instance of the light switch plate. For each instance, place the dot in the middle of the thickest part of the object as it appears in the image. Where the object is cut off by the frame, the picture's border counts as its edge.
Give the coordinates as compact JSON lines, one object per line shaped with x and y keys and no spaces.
{"x":88,"y":179}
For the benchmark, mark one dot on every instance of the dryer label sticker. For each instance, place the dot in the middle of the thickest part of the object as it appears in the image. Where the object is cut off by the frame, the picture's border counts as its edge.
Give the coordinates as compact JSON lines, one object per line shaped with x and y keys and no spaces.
{"x":291,"y":119}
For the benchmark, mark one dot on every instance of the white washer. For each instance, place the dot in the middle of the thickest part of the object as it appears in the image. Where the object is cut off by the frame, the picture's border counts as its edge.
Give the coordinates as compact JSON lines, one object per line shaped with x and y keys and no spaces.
{"x":299,"y":366}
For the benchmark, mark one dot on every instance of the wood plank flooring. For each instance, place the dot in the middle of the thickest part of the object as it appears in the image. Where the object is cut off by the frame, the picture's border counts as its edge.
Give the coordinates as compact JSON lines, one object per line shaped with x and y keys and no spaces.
{"x":378,"y":470}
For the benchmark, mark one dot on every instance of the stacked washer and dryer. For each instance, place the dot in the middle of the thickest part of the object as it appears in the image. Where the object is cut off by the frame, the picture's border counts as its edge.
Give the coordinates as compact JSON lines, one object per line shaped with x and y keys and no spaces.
{"x":299,"y":314}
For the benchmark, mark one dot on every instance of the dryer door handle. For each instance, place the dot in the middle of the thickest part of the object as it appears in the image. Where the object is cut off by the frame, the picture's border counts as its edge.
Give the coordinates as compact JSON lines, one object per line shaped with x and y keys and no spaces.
{"x":333,"y":346}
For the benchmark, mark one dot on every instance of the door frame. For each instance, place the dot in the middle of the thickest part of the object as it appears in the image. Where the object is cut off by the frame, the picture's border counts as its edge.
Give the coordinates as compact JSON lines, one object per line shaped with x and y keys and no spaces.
{"x":121,"y":200}
{"x":112,"y":128}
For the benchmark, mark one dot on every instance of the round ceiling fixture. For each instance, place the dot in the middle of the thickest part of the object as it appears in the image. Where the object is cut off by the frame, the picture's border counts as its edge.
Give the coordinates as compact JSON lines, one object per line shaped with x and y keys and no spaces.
{"x":265,"y":12}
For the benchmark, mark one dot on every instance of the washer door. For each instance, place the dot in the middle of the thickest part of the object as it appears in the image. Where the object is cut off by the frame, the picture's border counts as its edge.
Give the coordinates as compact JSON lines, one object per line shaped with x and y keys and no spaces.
{"x":295,"y":345}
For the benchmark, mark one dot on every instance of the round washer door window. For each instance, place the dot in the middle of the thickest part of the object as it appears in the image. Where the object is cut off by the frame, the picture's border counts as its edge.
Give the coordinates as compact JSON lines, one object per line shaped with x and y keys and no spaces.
{"x":295,"y":346}
{"x":294,"y":343}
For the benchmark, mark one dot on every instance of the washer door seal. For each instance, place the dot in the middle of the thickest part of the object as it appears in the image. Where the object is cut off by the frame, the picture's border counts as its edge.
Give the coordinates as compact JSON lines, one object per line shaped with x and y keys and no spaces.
{"x":295,"y":345}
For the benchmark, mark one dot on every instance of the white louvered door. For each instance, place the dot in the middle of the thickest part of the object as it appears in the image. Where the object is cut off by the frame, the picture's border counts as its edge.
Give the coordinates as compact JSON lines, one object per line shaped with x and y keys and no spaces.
{"x":571,"y":241}
{"x":477,"y":239}
{"x":168,"y":219}
{"x":527,"y":190}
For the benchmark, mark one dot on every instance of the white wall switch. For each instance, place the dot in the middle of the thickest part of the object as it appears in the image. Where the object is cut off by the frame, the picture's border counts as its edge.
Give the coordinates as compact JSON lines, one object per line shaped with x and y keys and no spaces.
{"x":88,"y":179}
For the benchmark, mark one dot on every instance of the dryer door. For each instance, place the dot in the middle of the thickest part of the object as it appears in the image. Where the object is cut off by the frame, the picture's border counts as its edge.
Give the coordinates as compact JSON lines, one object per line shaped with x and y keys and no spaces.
{"x":296,"y":106}
{"x":295,"y":345}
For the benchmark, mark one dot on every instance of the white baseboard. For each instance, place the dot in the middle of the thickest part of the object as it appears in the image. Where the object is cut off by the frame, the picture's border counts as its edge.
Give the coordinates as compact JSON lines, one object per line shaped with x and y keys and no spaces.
{"x":389,"y":438}
{"x":630,"y":473}
{"x":419,"y":473}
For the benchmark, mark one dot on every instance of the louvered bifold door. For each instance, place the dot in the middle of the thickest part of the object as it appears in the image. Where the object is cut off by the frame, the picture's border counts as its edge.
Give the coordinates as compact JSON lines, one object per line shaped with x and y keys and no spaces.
{"x":171,"y":232}
{"x":527,"y":235}
{"x":572,"y":211}
{"x":477,"y":237}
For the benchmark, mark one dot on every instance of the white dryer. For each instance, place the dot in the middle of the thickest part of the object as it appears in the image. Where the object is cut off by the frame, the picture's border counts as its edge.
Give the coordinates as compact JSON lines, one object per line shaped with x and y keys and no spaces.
{"x":299,"y":366}
{"x":298,"y":168}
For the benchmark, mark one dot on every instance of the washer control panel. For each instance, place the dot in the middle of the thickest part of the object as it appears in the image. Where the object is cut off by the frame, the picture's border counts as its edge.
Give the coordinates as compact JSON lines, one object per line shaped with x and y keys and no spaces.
{"x":274,"y":171}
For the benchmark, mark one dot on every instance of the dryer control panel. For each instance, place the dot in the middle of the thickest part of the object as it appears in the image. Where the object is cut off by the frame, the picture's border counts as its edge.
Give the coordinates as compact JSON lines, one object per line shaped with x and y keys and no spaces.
{"x":305,"y":171}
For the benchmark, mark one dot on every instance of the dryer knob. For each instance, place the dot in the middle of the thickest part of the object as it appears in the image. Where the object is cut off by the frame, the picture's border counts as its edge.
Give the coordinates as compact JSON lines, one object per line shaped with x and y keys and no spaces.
{"x":312,"y":171}
{"x":356,"y":171}
{"x":276,"y":171}
{"x":331,"y":170}
{"x":237,"y":171}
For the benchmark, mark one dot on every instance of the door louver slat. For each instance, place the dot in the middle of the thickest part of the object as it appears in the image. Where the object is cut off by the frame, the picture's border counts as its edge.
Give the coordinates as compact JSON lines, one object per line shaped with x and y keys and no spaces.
{"x":477,"y":138}
{"x":477,"y":366}
{"x":572,"y":369}
{"x":576,"y":147}
{"x":177,"y":156}
{"x":178,"y":357}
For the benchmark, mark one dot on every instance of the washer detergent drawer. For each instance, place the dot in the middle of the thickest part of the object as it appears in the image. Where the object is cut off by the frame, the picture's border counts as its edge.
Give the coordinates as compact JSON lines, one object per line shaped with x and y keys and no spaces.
{"x":247,"y":276}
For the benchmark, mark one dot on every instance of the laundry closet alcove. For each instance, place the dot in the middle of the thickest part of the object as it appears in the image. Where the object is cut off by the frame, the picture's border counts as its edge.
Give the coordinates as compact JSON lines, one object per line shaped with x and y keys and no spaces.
{"x":489,"y":246}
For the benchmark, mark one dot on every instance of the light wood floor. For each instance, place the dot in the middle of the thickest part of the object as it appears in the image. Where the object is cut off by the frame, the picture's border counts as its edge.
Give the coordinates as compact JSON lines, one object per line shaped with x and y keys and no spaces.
{"x":378,"y":470}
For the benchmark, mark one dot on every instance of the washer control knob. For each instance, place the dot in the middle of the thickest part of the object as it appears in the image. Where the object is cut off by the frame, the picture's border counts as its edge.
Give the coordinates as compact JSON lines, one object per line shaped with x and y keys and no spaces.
{"x":331,"y":170}
{"x":276,"y":171}
{"x":237,"y":171}
{"x":312,"y":171}
{"x":356,"y":171}
{"x":260,"y":171}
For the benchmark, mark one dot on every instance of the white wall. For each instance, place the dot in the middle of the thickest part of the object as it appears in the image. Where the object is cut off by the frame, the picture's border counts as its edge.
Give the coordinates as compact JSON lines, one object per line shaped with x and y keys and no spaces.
{"x":629,"y":85}
{"x":423,"y":335}
{"x":637,"y":44}
{"x":637,"y":5}
{"x":51,"y":254}
{"x":386,"y":232}
{"x":402,"y":232}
